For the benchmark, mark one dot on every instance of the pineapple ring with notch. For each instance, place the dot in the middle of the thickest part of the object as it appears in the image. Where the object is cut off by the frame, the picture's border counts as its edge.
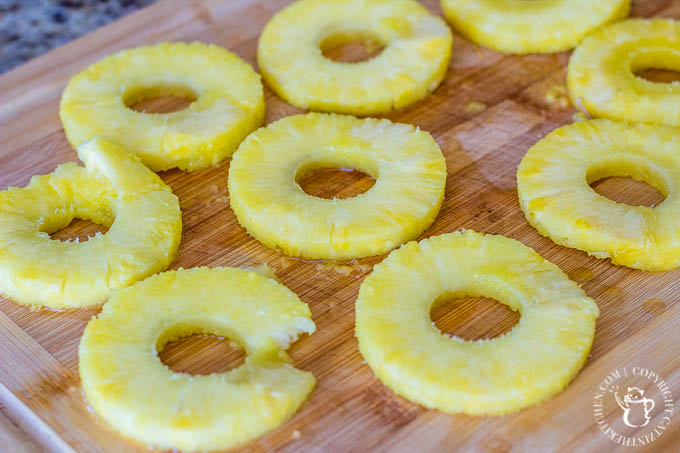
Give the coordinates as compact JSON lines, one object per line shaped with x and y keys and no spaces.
{"x":534,"y":361}
{"x":228,"y":105}
{"x":114,"y":189}
{"x":132,"y":390}
{"x":602,"y":72}
{"x":413,"y":62}
{"x":407,"y":164}
{"x":522,"y":27}
{"x":553,"y":186}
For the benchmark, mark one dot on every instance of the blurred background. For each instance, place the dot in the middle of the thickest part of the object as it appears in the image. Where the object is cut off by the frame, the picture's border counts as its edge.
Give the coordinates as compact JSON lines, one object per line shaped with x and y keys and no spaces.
{"x":29,"y":28}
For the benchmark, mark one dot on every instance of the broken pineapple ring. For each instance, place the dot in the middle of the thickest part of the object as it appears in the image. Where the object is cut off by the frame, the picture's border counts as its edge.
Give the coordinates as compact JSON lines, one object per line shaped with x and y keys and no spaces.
{"x":131,"y":389}
{"x":554,"y":193}
{"x":228,"y":103}
{"x":532,"y":362}
{"x":522,"y":27}
{"x":114,"y":189}
{"x":406,"y":162}
{"x":602,"y":72}
{"x":417,"y":49}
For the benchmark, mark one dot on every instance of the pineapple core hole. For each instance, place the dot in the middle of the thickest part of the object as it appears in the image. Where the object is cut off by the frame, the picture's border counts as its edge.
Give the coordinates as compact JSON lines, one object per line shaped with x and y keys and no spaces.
{"x":351,"y":47}
{"x":159,"y":98}
{"x":332,"y":183}
{"x":659,"y":75}
{"x":201,"y":354}
{"x":630,"y":184}
{"x":472,"y":318}
{"x":661,"y":65}
{"x":628,"y":191}
{"x":78,"y":230}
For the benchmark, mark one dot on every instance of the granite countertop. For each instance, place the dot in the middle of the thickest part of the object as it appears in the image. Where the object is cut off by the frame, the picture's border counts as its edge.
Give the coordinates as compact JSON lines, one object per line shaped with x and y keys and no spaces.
{"x":29,"y":28}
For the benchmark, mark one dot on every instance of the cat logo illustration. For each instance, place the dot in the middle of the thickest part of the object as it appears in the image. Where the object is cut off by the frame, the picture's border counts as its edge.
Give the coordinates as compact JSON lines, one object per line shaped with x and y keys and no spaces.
{"x":635,"y":405}
{"x":642,"y":395}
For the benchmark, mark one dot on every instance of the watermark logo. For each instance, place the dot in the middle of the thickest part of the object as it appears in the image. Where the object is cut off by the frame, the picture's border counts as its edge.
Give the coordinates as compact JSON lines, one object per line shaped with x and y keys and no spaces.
{"x":636,"y":403}
{"x":633,"y":406}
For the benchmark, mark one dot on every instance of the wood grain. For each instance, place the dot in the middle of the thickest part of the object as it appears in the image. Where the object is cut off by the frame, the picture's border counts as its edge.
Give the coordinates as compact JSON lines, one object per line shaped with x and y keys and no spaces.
{"x":490,"y":109}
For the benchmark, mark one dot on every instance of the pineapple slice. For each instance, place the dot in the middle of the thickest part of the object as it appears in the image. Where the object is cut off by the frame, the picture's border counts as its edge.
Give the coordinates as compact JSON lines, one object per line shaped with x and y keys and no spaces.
{"x":601,"y":74}
{"x":417,"y":49}
{"x":229,"y":103}
{"x":531,"y":363}
{"x":114,"y":189}
{"x":133,"y":391}
{"x":522,"y":27}
{"x":407,"y":163}
{"x":553,"y":185}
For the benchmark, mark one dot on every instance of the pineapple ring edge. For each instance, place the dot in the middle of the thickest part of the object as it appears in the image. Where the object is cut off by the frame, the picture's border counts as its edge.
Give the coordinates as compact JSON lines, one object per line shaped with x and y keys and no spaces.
{"x":65,"y":276}
{"x":491,"y":377}
{"x":186,"y":411}
{"x":530,"y":27}
{"x":94,"y":102}
{"x":287,"y":220}
{"x":601,"y":74}
{"x":639,"y":237}
{"x":405,"y":28}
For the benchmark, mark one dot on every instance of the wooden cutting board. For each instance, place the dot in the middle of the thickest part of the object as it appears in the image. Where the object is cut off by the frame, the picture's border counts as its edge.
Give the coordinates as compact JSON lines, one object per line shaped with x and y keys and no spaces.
{"x":490,"y":109}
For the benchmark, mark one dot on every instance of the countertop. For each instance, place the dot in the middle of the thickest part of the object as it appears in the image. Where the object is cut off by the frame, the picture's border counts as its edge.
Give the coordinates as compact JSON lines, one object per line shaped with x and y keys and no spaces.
{"x":29,"y":28}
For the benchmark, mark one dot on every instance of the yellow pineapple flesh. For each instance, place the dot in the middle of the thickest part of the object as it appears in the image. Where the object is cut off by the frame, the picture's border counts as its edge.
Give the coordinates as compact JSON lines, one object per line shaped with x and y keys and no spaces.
{"x":134,"y":392}
{"x":532,"y":362}
{"x":554,"y":193}
{"x":602,"y":72}
{"x":539,"y":26}
{"x":417,"y":49}
{"x":229,"y":103}
{"x":406,"y":162}
{"x":114,"y":189}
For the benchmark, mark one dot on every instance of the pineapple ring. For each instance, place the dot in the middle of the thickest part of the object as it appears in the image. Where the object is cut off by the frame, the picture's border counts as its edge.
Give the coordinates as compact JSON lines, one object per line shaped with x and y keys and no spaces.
{"x":534,"y":361}
{"x":229,"y":103}
{"x":522,"y":27}
{"x":417,"y":49}
{"x":131,"y":389}
{"x":601,"y":72}
{"x":406,"y":162}
{"x":113,"y":189}
{"x":553,"y":186}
